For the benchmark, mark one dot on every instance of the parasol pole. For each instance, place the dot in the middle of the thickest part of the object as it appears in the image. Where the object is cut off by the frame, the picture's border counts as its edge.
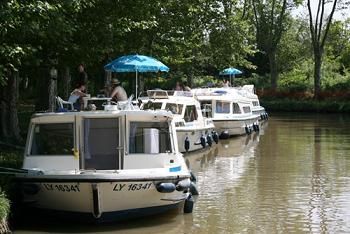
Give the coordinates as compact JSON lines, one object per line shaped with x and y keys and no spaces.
{"x":136,"y":86}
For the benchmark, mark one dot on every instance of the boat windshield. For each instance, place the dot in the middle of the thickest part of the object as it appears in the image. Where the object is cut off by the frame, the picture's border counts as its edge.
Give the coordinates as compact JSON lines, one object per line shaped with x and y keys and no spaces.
{"x":152,"y":106}
{"x":149,"y":137}
{"x":236,"y":109}
{"x":52,"y":139}
{"x":174,"y":108}
{"x":190,"y":113}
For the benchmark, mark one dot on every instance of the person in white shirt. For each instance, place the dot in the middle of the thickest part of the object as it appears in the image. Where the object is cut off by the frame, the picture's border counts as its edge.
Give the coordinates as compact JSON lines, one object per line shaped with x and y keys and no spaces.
{"x":76,"y":96}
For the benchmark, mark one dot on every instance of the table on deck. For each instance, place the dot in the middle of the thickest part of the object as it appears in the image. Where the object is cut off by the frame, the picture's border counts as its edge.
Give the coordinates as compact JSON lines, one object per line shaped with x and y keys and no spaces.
{"x":106,"y":100}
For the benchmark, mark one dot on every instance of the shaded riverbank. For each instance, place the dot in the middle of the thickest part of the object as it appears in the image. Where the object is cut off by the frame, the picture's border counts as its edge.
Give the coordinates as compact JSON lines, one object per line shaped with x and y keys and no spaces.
{"x":309,"y":105}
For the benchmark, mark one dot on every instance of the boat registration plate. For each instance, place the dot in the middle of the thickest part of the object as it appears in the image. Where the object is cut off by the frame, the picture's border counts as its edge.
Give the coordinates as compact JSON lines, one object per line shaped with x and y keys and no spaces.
{"x":62,"y":187}
{"x":132,"y":187}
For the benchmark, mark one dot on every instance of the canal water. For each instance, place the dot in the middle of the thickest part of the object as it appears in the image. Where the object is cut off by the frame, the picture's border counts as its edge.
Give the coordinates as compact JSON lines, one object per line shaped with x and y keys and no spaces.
{"x":293,"y":176}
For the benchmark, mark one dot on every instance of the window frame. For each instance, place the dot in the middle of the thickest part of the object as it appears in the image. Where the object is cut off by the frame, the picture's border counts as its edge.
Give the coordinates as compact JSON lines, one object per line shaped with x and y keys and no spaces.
{"x":222,"y":102}
{"x":32,"y":137}
{"x":169,"y":143}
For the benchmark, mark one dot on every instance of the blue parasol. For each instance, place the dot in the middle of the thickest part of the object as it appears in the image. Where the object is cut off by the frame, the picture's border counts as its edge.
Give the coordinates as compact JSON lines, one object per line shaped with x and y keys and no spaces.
{"x":231,"y":71}
{"x":136,"y":63}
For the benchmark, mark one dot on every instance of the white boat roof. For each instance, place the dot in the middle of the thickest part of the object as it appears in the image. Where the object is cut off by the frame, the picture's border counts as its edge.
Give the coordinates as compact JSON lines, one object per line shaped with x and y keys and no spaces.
{"x":136,"y":113}
{"x":219,"y":94}
{"x":178,"y":97}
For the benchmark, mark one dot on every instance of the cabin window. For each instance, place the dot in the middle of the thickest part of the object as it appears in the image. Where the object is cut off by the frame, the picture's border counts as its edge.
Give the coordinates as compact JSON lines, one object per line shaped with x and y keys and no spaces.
{"x":53,"y":139}
{"x":101,"y":143}
{"x":149,"y":137}
{"x":236,"y":109}
{"x":179,"y":124}
{"x":174,"y":108}
{"x":190,"y":113}
{"x":255,"y":103}
{"x":207,"y":109}
{"x":152,"y":106}
{"x":246,"y":109}
{"x":222,"y":107}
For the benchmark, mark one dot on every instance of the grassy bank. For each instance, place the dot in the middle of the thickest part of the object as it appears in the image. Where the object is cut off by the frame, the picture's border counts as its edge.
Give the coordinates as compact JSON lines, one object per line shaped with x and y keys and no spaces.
{"x":9,"y":157}
{"x":293,"y":105}
{"x":4,"y":213}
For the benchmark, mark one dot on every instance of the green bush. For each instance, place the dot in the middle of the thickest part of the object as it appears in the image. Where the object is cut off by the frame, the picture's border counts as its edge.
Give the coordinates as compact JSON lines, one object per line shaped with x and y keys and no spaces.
{"x":4,"y":206}
{"x":294,"y":81}
{"x":336,"y":82}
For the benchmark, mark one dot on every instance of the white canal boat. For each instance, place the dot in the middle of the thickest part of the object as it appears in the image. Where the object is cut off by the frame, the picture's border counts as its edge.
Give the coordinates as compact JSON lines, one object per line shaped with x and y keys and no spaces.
{"x":104,"y":165}
{"x":192,"y":129}
{"x":231,"y":112}
{"x":248,"y":92}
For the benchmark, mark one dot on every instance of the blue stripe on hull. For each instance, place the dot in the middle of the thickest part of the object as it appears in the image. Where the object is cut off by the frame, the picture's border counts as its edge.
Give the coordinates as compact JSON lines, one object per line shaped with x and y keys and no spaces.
{"x":106,"y":217}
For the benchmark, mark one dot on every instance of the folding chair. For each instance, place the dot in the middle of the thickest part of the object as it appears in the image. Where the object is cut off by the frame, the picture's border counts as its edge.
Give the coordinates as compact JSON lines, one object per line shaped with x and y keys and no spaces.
{"x":61,"y":104}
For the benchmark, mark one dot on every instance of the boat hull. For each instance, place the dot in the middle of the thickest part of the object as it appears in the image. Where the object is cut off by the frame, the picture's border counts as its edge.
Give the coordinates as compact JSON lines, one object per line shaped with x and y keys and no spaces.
{"x":235,"y":127}
{"x":194,"y":137}
{"x":103,"y":201}
{"x":261,"y":112}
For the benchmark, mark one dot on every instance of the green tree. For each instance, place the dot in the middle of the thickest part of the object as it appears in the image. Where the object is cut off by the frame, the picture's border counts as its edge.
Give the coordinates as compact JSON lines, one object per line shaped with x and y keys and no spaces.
{"x":319,"y":28}
{"x":230,"y":37}
{"x":270,"y":22}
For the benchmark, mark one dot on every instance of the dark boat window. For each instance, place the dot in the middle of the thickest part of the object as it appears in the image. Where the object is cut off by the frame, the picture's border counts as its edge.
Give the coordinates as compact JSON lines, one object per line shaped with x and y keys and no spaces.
{"x":149,"y":137}
{"x":222,"y":107}
{"x":101,"y":143}
{"x":53,"y":139}
{"x":255,"y":103}
{"x":246,"y":109}
{"x":190,"y":114}
{"x":236,"y":109}
{"x":174,"y":108}
{"x":152,"y":106}
{"x":206,"y":109}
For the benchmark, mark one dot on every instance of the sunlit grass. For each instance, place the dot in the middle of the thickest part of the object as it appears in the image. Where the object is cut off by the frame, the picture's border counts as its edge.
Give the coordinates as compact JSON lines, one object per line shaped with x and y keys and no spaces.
{"x":4,"y":206}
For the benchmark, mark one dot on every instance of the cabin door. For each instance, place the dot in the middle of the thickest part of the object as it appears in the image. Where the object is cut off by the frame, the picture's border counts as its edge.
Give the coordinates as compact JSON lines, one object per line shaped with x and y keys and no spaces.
{"x":102,"y":143}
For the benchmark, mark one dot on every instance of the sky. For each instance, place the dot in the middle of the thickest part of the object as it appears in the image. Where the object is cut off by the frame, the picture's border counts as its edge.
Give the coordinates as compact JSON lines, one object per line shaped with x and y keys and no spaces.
{"x":338,"y":15}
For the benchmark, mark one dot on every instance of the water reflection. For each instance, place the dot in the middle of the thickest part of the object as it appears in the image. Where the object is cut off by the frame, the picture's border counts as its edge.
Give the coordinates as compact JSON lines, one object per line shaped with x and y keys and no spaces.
{"x":293,"y":176}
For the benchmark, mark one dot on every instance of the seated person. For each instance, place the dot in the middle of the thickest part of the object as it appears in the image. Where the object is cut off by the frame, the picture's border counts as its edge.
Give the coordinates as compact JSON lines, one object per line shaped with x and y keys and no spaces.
{"x":178,"y":86}
{"x":118,"y":93}
{"x":186,"y":87}
{"x":76,"y":96}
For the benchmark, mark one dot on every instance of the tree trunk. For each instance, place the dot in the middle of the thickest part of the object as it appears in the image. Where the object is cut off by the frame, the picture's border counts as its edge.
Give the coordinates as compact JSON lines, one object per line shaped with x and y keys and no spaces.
{"x":3,"y":123}
{"x":317,"y":74}
{"x":3,"y":113}
{"x":273,"y":69}
{"x":66,"y":82}
{"x":108,"y":81}
{"x":42,"y":103}
{"x":12,"y":103}
{"x":52,"y":93}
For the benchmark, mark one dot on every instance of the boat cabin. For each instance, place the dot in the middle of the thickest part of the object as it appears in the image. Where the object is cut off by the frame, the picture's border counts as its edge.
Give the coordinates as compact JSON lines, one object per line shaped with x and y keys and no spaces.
{"x":182,"y":104}
{"x":100,"y":140}
{"x":218,"y":103}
